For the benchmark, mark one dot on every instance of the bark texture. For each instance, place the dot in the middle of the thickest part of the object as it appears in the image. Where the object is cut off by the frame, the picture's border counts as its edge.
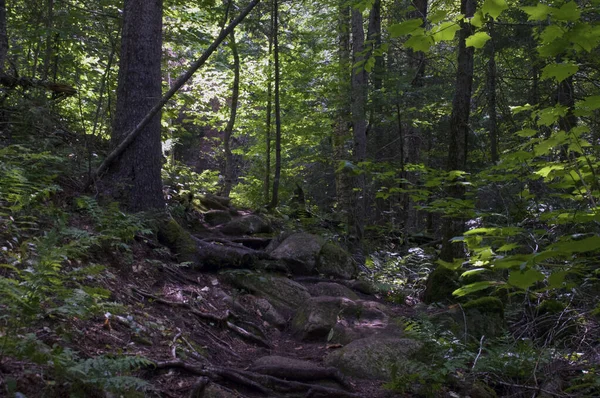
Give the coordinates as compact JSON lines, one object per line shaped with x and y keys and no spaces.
{"x":136,"y":172}
{"x":459,"y":130}
{"x":235,"y":94}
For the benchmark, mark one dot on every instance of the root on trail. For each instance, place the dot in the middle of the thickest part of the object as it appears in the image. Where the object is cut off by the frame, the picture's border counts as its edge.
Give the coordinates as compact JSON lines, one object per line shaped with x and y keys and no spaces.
{"x":263,"y":383}
{"x":224,"y":320}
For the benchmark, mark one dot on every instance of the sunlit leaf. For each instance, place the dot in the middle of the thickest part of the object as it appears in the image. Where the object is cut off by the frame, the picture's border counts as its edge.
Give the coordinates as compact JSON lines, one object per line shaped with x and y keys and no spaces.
{"x":578,"y":246}
{"x":406,"y":27}
{"x":526,"y":133}
{"x":568,"y":12}
{"x":525,"y":279}
{"x":477,"y":40}
{"x":559,"y":71}
{"x":494,"y":8}
{"x":475,"y":271}
{"x":474,"y":287}
{"x":537,"y":13}
{"x":437,"y":16}
{"x":419,"y":43}
{"x":446,"y":31}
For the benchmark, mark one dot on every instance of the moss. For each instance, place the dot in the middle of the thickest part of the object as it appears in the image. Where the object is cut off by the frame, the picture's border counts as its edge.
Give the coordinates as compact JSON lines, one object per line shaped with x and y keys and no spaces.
{"x":176,"y":238}
{"x":333,"y":260}
{"x":440,"y":284}
{"x":551,"y":307}
{"x":486,"y":305}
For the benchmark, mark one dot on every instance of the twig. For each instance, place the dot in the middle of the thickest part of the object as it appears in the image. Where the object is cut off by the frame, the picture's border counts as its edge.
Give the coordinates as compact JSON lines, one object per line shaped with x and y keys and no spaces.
{"x":174,"y":347}
{"x":478,"y":353}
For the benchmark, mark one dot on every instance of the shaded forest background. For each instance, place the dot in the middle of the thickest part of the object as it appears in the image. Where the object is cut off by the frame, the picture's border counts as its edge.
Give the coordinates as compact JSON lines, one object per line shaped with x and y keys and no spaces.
{"x":468,"y":129}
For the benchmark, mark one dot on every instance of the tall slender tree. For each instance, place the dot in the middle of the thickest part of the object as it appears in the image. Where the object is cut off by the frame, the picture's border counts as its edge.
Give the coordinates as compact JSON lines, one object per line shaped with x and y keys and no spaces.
{"x":235,"y":93}
{"x":277,"y":177}
{"x":459,"y":129}
{"x":136,"y":174}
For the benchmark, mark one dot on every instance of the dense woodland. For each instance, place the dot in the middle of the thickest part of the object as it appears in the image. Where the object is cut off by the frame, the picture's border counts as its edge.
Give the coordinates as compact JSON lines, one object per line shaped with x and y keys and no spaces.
{"x":450,"y":150}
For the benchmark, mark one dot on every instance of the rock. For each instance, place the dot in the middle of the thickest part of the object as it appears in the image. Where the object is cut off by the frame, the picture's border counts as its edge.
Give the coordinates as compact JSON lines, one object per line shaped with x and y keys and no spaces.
{"x":332,"y":290}
{"x":440,"y":284}
{"x":269,"y":313}
{"x":214,"y":202}
{"x":482,"y":317}
{"x":217,"y":217}
{"x":363,"y":286}
{"x":283,"y":363}
{"x":374,"y":357}
{"x":284,"y":294}
{"x":335,"y":261}
{"x":340,"y":320}
{"x":300,"y":251}
{"x":246,"y":225}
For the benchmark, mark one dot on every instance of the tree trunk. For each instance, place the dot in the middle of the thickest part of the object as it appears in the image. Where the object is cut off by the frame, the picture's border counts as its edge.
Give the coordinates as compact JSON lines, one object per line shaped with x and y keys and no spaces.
{"x":275,"y":199}
{"x":3,"y":36}
{"x":359,"y":125}
{"x":231,"y":123}
{"x":269,"y":111}
{"x":491,"y":95}
{"x":136,"y":173}
{"x":459,"y":130}
{"x":342,"y":123}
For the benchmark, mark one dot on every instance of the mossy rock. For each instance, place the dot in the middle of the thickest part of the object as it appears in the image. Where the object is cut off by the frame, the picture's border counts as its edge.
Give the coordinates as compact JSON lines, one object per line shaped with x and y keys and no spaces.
{"x":250,"y":224}
{"x":300,"y":252}
{"x":374,"y":357}
{"x":440,"y":284}
{"x":176,"y":238}
{"x":335,"y":261}
{"x":332,"y":290}
{"x":217,"y":217}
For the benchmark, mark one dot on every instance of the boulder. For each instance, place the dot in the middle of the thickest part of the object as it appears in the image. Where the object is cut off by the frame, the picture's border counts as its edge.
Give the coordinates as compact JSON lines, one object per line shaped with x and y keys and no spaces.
{"x":300,"y":252}
{"x":335,"y":261}
{"x":284,"y":294}
{"x":340,"y":320}
{"x":217,"y":217}
{"x":440,"y":284}
{"x":332,"y":289}
{"x":374,"y":357}
{"x":214,"y":202}
{"x":481,"y":317}
{"x":213,"y":390}
{"x":246,"y":225}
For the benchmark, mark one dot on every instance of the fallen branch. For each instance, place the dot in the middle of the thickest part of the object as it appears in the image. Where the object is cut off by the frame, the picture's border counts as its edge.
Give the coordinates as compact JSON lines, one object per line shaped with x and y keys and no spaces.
{"x":132,"y":135}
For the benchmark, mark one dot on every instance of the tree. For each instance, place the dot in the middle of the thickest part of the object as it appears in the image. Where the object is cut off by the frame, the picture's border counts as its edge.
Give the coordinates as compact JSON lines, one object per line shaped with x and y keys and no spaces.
{"x":235,"y":93}
{"x":277,"y":177}
{"x":459,"y":130}
{"x":136,"y":174}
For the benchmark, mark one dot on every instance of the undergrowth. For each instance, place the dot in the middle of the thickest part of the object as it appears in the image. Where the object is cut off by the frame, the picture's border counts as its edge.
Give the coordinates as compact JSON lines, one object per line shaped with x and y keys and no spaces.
{"x":48,"y":275}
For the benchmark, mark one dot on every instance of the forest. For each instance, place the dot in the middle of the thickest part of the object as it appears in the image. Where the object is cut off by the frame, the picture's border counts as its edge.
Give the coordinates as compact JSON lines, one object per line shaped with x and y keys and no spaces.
{"x":278,"y":198}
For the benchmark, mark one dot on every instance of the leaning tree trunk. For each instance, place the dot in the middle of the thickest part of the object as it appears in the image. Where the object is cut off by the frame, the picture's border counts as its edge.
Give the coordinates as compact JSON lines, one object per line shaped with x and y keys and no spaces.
{"x":136,"y":174}
{"x":231,"y":123}
{"x":459,"y":130}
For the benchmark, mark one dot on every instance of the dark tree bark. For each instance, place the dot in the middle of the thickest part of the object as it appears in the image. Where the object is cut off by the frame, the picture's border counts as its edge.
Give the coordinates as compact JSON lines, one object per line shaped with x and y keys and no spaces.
{"x":276,"y":178}
{"x":359,"y":124}
{"x":49,"y":39}
{"x":491,"y":96}
{"x":136,"y":173}
{"x":3,"y":36}
{"x":235,"y":93}
{"x":268,"y":116}
{"x":342,"y":123}
{"x":459,"y":130}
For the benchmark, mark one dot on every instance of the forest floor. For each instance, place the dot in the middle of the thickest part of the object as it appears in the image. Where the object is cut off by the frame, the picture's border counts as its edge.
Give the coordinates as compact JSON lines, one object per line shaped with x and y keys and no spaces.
{"x":155,"y":322}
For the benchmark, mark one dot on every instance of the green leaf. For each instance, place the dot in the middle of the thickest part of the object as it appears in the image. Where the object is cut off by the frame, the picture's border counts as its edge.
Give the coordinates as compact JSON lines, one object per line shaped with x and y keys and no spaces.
{"x":478,"y":19}
{"x":419,"y":43}
{"x":586,"y":106}
{"x":537,"y":13}
{"x":568,"y":12}
{"x":475,"y":271}
{"x":406,"y":27}
{"x":437,"y":16}
{"x":559,"y":71}
{"x":445,"y":31}
{"x":526,"y":133}
{"x":551,"y":33}
{"x":556,"y":279}
{"x":523,"y":108}
{"x":474,"y":287}
{"x":578,"y":246}
{"x":494,"y":8}
{"x":525,"y":279}
{"x":508,"y":247}
{"x":545,"y":171}
{"x":477,"y":40}
{"x":453,"y":265}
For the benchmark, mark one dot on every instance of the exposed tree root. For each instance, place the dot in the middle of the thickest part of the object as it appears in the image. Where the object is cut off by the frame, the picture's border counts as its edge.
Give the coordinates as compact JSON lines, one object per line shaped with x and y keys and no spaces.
{"x":220,"y":320}
{"x":263,"y":383}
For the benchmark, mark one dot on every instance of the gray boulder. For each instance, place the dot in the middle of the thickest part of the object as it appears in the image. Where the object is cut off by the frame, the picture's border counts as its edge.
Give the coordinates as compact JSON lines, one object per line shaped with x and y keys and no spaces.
{"x":332,"y":289}
{"x":335,"y":261}
{"x":300,"y":252}
{"x":284,"y":294}
{"x":246,"y":225}
{"x":374,"y":357}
